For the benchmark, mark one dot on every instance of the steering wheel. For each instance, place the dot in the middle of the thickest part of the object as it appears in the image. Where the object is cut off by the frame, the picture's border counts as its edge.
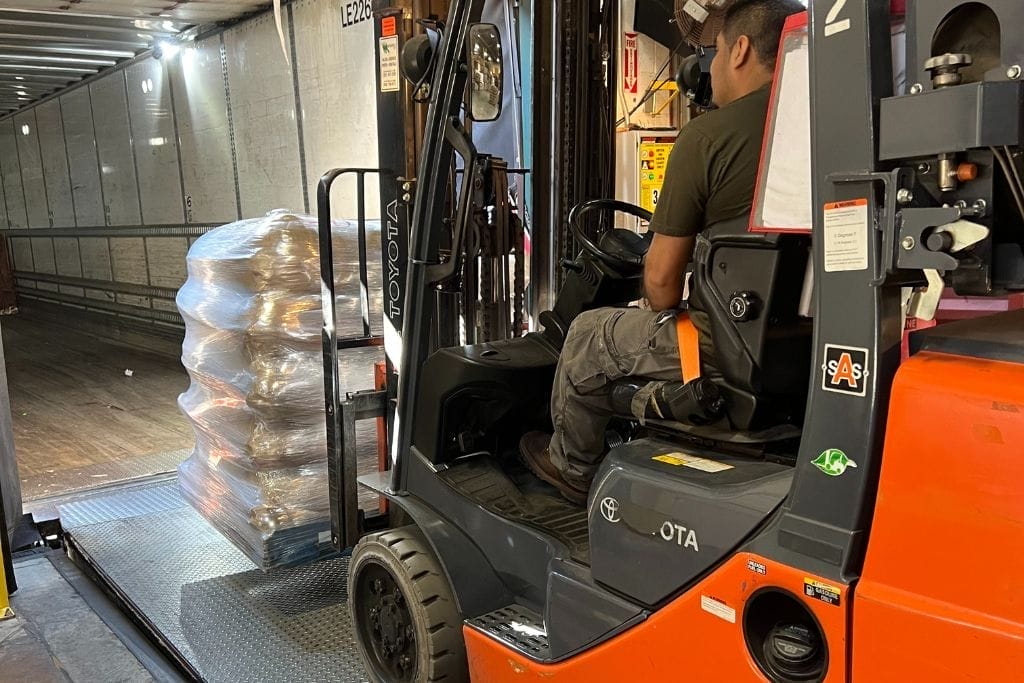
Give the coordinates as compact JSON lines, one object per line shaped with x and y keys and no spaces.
{"x":615,"y":247}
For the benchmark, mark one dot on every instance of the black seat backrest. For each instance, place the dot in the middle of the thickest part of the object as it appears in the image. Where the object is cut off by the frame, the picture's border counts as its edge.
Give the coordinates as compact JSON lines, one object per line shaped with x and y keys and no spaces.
{"x":748,"y":287}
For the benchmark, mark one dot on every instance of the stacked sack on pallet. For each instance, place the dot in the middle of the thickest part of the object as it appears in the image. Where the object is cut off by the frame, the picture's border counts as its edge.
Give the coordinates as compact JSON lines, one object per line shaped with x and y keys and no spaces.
{"x":251,"y":306}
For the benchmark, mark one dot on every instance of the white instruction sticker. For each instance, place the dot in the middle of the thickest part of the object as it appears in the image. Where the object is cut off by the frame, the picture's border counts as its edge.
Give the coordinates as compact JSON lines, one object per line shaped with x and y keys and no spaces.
{"x":846,"y":236}
{"x":718,"y":608}
{"x":693,"y":462}
{"x":696,"y":10}
{"x":389,"y":64}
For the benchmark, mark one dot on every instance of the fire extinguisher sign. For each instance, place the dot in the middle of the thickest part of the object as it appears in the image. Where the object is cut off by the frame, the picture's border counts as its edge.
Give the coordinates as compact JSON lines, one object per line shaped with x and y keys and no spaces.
{"x":630,"y":64}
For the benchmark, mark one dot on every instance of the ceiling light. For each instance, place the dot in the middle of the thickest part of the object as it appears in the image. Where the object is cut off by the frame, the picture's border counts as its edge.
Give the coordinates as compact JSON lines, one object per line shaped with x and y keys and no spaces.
{"x":25,"y":129}
{"x":165,"y":50}
{"x":19,"y":78}
{"x":22,"y":92}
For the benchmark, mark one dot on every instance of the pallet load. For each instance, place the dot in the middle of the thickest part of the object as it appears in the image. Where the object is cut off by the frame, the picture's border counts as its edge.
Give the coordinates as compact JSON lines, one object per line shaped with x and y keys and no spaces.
{"x":252,"y":348}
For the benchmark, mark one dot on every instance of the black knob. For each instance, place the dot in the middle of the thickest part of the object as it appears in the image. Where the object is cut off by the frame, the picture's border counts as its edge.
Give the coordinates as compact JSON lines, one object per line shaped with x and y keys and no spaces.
{"x":744,"y":306}
{"x":575,"y":266}
{"x":939,"y":241}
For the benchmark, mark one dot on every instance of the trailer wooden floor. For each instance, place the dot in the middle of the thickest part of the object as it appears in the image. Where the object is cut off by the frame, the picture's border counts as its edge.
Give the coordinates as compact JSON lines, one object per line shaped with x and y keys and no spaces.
{"x":79,"y":420}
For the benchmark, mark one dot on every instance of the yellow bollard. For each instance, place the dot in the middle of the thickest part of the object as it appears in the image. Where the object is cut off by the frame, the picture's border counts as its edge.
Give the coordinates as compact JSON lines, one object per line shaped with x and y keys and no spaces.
{"x":5,"y":604}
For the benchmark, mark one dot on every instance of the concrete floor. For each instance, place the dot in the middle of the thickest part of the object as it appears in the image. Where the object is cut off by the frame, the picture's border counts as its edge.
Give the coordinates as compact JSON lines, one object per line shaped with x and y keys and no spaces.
{"x":57,"y":636}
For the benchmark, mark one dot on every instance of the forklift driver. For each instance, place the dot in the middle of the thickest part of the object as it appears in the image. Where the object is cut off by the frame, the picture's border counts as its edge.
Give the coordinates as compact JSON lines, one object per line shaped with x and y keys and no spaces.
{"x":710,"y":178}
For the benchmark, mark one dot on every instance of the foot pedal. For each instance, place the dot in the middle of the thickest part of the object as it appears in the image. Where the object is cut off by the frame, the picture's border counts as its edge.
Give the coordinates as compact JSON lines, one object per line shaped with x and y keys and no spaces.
{"x":517,"y":627}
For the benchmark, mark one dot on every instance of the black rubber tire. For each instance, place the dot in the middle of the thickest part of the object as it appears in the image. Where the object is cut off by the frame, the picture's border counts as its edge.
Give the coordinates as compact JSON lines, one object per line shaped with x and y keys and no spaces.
{"x":405,"y":554}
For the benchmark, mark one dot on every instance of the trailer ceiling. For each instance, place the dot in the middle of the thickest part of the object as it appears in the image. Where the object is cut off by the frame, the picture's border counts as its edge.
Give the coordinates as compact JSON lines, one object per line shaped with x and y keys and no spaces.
{"x":46,"y":45}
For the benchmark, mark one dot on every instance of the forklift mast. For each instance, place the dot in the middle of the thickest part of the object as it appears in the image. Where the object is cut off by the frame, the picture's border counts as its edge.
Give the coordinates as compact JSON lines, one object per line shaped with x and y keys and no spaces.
{"x":573,"y":55}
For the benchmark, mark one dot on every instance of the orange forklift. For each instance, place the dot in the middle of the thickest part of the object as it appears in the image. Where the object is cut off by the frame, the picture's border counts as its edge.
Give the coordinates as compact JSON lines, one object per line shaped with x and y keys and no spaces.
{"x":809,"y":507}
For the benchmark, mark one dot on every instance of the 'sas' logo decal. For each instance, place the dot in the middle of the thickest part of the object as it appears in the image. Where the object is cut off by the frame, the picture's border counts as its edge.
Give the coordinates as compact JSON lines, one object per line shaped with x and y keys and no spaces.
{"x":845,"y":370}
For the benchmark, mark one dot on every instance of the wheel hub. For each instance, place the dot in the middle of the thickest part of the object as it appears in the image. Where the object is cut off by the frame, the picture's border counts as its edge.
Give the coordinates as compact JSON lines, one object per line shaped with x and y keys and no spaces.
{"x":386,"y":623}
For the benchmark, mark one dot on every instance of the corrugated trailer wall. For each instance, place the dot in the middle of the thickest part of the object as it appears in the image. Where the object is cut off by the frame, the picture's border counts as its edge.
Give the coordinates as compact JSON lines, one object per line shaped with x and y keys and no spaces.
{"x":105,"y":186}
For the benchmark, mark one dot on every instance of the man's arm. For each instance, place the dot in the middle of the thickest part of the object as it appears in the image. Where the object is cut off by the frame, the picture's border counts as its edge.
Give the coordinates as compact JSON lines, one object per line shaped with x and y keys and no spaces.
{"x":664,"y":268}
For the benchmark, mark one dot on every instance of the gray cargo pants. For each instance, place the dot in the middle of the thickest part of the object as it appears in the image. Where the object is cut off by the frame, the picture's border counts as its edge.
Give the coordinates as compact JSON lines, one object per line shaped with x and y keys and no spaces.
{"x":603,"y":345}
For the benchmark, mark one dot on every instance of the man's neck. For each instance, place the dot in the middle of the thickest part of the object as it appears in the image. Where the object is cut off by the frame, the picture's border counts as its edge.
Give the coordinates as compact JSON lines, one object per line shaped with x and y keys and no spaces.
{"x":752,"y":84}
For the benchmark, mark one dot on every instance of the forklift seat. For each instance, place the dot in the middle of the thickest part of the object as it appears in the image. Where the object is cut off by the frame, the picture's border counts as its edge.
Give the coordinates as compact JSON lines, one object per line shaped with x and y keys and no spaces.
{"x":747,"y":288}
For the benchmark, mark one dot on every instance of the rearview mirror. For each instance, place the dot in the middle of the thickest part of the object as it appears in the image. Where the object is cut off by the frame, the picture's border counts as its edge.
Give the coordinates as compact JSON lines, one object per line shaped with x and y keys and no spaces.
{"x":486,"y":72}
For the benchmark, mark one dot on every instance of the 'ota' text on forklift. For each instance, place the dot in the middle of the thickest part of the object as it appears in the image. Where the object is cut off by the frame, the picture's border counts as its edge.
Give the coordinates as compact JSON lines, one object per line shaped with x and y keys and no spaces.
{"x":670,"y":531}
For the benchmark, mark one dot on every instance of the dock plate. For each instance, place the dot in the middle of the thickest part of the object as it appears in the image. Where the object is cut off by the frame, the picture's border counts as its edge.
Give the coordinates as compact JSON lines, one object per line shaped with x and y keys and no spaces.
{"x":202,"y":600}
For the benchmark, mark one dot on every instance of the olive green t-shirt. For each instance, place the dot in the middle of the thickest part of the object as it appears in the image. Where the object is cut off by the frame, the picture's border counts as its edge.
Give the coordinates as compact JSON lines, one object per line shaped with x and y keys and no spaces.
{"x":713,"y":167}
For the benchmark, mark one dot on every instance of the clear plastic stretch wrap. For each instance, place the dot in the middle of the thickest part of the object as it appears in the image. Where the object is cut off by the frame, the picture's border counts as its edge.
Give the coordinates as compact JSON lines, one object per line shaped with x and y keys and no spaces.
{"x":252,"y":348}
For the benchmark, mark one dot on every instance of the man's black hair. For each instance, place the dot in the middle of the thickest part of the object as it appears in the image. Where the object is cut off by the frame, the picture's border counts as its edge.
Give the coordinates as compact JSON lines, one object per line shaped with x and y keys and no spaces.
{"x":761,"y":21}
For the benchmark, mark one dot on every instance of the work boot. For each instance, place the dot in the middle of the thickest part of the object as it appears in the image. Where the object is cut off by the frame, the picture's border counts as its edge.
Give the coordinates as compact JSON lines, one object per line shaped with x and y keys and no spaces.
{"x":534,"y":447}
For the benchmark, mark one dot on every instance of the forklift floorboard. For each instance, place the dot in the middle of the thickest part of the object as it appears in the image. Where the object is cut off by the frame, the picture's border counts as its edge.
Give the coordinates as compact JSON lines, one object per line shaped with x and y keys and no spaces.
{"x":524,"y":499}
{"x":79,"y":420}
{"x":218,"y":615}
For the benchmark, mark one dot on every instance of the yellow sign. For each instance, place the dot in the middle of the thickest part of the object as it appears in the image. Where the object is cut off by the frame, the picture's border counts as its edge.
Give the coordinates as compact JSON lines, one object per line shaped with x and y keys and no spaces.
{"x":653,"y":162}
{"x":692,"y":461}
{"x":5,"y":605}
{"x":827,"y":593}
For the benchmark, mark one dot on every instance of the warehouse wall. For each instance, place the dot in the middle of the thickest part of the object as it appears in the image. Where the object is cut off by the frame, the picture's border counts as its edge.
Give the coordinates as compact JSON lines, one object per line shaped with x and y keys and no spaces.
{"x":105,"y":186}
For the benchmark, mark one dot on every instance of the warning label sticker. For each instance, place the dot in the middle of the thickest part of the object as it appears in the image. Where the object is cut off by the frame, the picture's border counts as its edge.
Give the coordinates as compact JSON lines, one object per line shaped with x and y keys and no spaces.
{"x":692,"y":461}
{"x":718,"y":608}
{"x":653,"y":162}
{"x":389,"y":64}
{"x":846,"y":236}
{"x":822,"y":591}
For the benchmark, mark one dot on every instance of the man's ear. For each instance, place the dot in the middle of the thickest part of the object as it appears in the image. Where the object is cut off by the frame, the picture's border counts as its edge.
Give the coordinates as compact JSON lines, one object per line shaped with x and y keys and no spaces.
{"x":740,"y":53}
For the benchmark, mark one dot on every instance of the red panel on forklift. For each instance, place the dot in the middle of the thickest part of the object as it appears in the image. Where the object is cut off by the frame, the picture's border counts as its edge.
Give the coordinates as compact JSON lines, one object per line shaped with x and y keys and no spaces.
{"x":697,"y":637}
{"x":940,"y":598}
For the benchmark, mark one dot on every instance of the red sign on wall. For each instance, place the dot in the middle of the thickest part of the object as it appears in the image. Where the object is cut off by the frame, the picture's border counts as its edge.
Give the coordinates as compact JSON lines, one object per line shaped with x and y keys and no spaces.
{"x":630,"y":64}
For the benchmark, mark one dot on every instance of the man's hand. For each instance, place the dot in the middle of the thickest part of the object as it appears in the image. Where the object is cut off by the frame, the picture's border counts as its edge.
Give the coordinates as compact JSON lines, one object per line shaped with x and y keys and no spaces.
{"x":664,"y":268}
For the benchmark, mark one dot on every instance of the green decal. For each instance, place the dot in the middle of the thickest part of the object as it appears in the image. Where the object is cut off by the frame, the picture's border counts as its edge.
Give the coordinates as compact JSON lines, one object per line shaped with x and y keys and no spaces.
{"x":833,"y":462}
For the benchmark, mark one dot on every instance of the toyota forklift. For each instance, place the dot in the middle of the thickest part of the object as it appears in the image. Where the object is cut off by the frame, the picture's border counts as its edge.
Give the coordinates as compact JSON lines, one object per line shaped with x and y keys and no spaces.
{"x":800,"y":506}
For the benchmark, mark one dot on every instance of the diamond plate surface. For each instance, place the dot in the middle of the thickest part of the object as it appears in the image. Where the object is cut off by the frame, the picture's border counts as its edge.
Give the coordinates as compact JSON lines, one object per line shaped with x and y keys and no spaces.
{"x":230,"y":620}
{"x":291,"y":625}
{"x":516,"y":626}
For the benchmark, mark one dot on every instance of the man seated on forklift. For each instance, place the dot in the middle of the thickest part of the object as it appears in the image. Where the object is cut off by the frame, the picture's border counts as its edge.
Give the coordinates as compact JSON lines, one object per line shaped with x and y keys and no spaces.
{"x":710,"y":178}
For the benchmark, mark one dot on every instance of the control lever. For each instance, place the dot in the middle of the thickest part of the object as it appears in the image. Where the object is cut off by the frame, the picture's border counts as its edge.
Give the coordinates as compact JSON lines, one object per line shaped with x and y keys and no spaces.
{"x":923,"y":304}
{"x":950,"y":238}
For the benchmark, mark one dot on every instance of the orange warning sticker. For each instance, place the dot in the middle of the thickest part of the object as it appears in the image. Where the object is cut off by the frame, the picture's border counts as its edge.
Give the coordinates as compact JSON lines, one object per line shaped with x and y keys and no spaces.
{"x":846,"y":204}
{"x":388,"y":27}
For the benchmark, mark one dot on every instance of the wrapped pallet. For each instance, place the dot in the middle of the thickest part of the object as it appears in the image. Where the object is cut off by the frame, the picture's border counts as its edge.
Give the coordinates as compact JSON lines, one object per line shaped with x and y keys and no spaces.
{"x":252,"y":348}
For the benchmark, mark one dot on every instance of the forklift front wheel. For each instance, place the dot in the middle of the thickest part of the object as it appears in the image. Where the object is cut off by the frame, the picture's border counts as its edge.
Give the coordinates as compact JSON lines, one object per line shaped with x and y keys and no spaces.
{"x":408,"y":627}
